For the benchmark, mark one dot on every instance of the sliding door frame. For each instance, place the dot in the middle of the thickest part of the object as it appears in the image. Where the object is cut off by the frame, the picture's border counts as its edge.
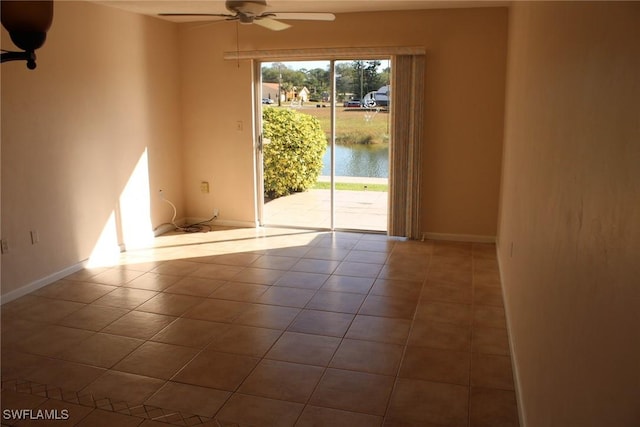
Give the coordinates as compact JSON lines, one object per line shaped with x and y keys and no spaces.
{"x":408,"y":65}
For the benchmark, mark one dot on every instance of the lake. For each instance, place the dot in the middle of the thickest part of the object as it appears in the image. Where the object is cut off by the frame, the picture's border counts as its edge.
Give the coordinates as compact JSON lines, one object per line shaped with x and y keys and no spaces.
{"x":368,"y":160}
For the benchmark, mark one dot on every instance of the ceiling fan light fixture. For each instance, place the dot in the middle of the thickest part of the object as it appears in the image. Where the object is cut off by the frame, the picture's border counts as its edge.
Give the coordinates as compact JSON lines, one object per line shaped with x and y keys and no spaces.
{"x":27,"y":23}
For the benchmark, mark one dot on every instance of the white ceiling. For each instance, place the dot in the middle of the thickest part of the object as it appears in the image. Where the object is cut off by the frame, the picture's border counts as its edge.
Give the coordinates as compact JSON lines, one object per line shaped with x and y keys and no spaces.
{"x":153,"y":7}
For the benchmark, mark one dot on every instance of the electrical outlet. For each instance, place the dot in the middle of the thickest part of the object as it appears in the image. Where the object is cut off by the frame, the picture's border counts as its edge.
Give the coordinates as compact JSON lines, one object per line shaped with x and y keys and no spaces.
{"x":4,"y":243}
{"x":35,"y":237}
{"x":204,"y":186}
{"x":216,"y":212}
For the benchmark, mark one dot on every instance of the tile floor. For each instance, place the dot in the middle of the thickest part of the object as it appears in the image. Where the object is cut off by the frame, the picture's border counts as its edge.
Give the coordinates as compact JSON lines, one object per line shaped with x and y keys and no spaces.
{"x":267,"y":327}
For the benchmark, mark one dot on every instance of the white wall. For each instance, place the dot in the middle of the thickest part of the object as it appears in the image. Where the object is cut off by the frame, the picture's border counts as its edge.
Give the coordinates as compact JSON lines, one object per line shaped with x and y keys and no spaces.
{"x":93,"y":130}
{"x":569,"y":235}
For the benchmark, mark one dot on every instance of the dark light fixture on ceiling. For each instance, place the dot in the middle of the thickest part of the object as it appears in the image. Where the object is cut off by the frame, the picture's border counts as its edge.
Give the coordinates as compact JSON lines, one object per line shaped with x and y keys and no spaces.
{"x":27,"y":23}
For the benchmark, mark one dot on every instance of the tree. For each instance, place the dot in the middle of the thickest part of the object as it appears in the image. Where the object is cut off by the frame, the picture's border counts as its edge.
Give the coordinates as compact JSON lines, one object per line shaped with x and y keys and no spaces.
{"x":317,"y":81}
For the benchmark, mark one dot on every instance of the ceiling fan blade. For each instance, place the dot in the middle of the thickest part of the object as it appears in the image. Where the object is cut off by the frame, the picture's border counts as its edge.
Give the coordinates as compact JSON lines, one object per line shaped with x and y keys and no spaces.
{"x":196,"y":17}
{"x":305,"y":16}
{"x":220,"y":15}
{"x":271,"y":24}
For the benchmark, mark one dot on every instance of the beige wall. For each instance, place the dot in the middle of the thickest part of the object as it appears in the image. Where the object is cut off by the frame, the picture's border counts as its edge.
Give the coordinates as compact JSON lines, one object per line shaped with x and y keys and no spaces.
{"x":106,"y":89}
{"x":463,"y":123}
{"x":571,"y":212}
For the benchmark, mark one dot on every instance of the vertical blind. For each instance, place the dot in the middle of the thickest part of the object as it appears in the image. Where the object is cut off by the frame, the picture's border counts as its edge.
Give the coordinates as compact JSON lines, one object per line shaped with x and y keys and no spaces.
{"x":406,"y":145}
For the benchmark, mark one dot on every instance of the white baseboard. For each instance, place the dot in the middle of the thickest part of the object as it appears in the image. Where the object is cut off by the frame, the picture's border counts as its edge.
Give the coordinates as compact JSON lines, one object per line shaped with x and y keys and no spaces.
{"x":40,"y":283}
{"x":514,"y":359}
{"x":473,"y":238}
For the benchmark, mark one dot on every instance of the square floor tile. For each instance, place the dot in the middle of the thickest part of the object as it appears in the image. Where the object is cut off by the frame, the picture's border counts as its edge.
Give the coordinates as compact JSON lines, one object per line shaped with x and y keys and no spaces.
{"x":153,"y":281}
{"x":486,"y":278}
{"x":491,"y":407}
{"x":139,"y":324}
{"x":445,"y":366}
{"x":239,"y":259}
{"x":304,"y":348}
{"x":196,"y":286}
{"x":447,"y":292}
{"x":169,"y":304}
{"x":189,"y":399}
{"x":93,"y":317}
{"x":484,"y":295}
{"x":267,"y":316}
{"x":282,"y":380}
{"x":404,"y":289}
{"x":334,"y":254}
{"x":342,"y":302}
{"x":404,"y":271}
{"x":388,"y":307}
{"x":444,"y":312}
{"x":303,"y":280}
{"x":274,"y":262}
{"x":247,"y":340}
{"x":222,"y":371}
{"x":133,"y":389}
{"x":452,"y":249}
{"x":177,"y":267}
{"x":156,"y":360}
{"x":102,"y":350}
{"x":490,"y":341}
{"x":214,"y":271}
{"x":366,"y":257}
{"x":258,"y":411}
{"x":217,"y":310}
{"x":368,"y":356}
{"x":448,"y":336}
{"x":16,"y":365}
{"x":64,"y":374}
{"x":358,"y":285}
{"x":315,"y":265}
{"x":489,"y":316}
{"x":417,"y":402}
{"x":101,"y":418}
{"x":74,"y":291}
{"x":491,"y":371}
{"x":190,"y":332}
{"x":236,"y":291}
{"x":115,"y":276}
{"x":379,"y":329}
{"x":322,"y":323}
{"x":289,"y":297}
{"x":353,"y":391}
{"x":358,"y":269}
{"x":46,"y":310}
{"x":316,"y":416}
{"x":263,"y":276}
{"x":53,"y":340}
{"x":126,"y":298}
{"x":450,"y":275}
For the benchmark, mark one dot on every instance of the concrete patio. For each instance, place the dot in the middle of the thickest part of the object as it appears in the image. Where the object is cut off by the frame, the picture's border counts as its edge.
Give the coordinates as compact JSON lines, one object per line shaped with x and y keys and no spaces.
{"x":354,"y":210}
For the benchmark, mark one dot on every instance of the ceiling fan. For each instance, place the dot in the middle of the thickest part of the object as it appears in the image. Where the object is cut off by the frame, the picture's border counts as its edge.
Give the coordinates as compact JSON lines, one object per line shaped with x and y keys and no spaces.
{"x":255,"y":12}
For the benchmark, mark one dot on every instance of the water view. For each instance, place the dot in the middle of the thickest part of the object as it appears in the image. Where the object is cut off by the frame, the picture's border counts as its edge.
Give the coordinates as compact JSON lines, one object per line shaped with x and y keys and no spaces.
{"x":367,"y":160}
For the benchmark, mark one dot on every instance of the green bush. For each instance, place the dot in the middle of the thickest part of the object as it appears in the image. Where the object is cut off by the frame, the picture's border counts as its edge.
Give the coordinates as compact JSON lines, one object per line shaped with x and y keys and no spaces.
{"x":293,"y":158}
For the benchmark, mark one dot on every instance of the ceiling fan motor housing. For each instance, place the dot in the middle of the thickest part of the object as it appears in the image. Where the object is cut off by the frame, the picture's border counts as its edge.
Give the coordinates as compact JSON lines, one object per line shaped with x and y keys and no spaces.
{"x":247,"y":8}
